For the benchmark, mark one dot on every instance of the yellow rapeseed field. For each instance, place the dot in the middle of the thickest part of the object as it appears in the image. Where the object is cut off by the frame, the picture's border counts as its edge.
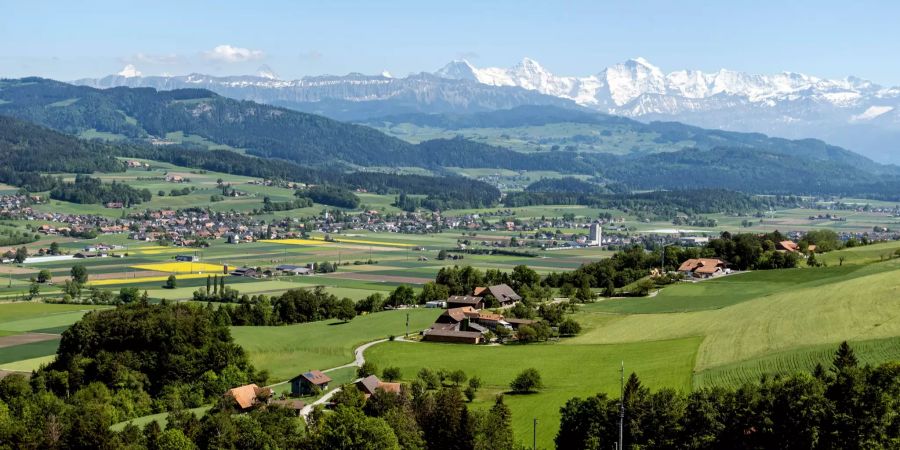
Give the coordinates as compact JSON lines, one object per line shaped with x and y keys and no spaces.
{"x":182,"y":267}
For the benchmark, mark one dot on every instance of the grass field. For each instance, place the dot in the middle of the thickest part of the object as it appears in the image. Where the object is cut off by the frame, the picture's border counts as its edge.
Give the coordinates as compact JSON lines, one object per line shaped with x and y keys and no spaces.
{"x":862,"y":307}
{"x":288,"y":350}
{"x":566,"y":370}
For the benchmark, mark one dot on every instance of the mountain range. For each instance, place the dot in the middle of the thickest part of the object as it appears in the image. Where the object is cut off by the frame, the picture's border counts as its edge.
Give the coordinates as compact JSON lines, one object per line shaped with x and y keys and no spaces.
{"x":850,"y":112}
{"x":168,"y":125}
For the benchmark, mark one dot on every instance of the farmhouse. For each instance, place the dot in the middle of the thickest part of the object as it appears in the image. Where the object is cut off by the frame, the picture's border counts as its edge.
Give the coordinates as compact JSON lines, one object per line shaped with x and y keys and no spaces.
{"x":248,"y":396}
{"x":461,"y":301}
{"x":502,"y":292}
{"x":289,"y":269}
{"x":703,"y":267}
{"x":371,"y":383}
{"x":245,"y":272}
{"x":787,"y":246}
{"x":309,"y":382}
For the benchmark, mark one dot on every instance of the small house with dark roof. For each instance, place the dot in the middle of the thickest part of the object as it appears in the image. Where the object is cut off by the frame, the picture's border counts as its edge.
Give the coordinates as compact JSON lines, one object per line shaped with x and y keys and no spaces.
{"x":460,"y":301}
{"x":504,"y":294}
{"x":308,"y":383}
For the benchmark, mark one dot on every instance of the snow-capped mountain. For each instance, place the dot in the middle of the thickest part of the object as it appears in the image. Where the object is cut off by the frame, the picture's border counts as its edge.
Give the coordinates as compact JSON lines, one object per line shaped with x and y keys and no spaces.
{"x":349,"y":97}
{"x":850,"y":112}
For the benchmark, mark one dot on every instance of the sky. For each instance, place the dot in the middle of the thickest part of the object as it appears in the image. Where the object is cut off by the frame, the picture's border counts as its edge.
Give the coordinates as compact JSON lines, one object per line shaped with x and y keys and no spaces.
{"x":70,"y":40}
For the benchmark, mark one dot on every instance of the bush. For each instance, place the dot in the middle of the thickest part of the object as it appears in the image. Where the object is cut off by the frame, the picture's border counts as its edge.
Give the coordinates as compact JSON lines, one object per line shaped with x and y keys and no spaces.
{"x":569,"y":327}
{"x":526,"y":382}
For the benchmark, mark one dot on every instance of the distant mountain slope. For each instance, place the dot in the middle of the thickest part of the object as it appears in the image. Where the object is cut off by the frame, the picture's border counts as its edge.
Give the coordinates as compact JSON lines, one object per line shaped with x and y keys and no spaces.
{"x":673,"y":133}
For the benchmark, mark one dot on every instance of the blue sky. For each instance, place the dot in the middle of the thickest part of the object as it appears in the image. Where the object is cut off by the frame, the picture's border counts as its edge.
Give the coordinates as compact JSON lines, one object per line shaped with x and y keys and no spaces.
{"x":66,"y":40}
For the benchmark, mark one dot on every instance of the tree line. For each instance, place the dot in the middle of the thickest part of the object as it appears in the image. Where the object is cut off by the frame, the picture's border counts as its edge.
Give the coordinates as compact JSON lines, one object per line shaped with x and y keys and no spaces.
{"x":846,"y":406}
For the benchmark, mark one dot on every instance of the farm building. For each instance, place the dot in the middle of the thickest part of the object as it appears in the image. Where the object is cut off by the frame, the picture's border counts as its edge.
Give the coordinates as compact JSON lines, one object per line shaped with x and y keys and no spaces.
{"x":248,"y":396}
{"x":461,"y":301}
{"x":245,"y":272}
{"x":289,"y":269}
{"x":308,"y":382}
{"x":371,"y":383}
{"x":452,"y":335}
{"x":703,"y":267}
{"x":187,"y":258}
{"x":502,"y":292}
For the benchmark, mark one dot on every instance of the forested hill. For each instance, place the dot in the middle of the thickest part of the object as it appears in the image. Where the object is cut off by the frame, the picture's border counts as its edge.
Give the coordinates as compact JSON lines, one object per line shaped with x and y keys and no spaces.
{"x":25,"y":147}
{"x":666,"y":134}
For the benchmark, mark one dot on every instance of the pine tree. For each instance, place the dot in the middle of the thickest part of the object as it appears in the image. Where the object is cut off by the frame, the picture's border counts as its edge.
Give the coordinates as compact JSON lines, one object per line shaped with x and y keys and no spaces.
{"x":844,"y":358}
{"x":222,"y":286}
{"x":498,"y":431}
{"x":208,"y":281}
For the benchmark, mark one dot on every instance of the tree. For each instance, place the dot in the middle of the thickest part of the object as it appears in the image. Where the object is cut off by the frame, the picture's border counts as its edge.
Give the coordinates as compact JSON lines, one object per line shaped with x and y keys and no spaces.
{"x":458,"y":377}
{"x":222,"y":285}
{"x":432,"y":291}
{"x":430,"y":378}
{"x":844,"y":358}
{"x":366,"y":369}
{"x":174,"y":439}
{"x":21,"y":255}
{"x":402,"y":295}
{"x":584,"y":294}
{"x":208,"y":282}
{"x":54,"y":248}
{"x":391,"y":373}
{"x":171,"y":282}
{"x":44,"y":276}
{"x":79,"y":274}
{"x":497,"y":431}
{"x":349,"y":428}
{"x":345,"y":310}
{"x":523,"y":275}
{"x":529,"y":380}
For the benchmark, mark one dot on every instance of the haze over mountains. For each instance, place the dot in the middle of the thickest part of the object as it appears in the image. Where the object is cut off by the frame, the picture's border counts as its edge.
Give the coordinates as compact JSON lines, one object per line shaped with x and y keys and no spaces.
{"x":854,"y":113}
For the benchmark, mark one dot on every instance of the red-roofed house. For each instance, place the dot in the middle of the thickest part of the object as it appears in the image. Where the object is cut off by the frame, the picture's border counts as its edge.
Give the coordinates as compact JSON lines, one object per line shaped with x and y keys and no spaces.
{"x":703,"y":267}
{"x":248,"y":396}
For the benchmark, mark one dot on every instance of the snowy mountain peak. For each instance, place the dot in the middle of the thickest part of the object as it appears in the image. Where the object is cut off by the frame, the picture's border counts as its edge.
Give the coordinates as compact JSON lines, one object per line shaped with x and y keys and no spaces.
{"x":129,"y":71}
{"x":459,"y":69}
{"x":264,"y":71}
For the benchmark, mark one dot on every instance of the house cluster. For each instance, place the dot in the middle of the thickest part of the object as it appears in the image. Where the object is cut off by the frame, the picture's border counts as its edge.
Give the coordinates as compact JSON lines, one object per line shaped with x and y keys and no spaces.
{"x":467,"y":321}
{"x":829,"y":216}
{"x":283,"y":270}
{"x":703,"y":268}
{"x":135,"y":164}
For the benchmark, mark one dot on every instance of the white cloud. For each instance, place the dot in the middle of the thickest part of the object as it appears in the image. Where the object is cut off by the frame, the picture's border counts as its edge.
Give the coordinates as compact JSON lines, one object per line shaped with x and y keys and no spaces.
{"x":229,"y":54}
{"x":130,"y":71}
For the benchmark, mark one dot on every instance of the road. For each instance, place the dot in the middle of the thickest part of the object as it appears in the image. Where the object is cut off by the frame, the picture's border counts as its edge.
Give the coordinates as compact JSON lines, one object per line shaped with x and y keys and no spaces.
{"x":358,"y":361}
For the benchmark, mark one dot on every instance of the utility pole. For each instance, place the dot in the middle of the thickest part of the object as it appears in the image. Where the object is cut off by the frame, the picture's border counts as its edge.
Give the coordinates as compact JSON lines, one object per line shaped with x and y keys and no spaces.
{"x":534,"y":435}
{"x":622,"y":407}
{"x":407,"y":324}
